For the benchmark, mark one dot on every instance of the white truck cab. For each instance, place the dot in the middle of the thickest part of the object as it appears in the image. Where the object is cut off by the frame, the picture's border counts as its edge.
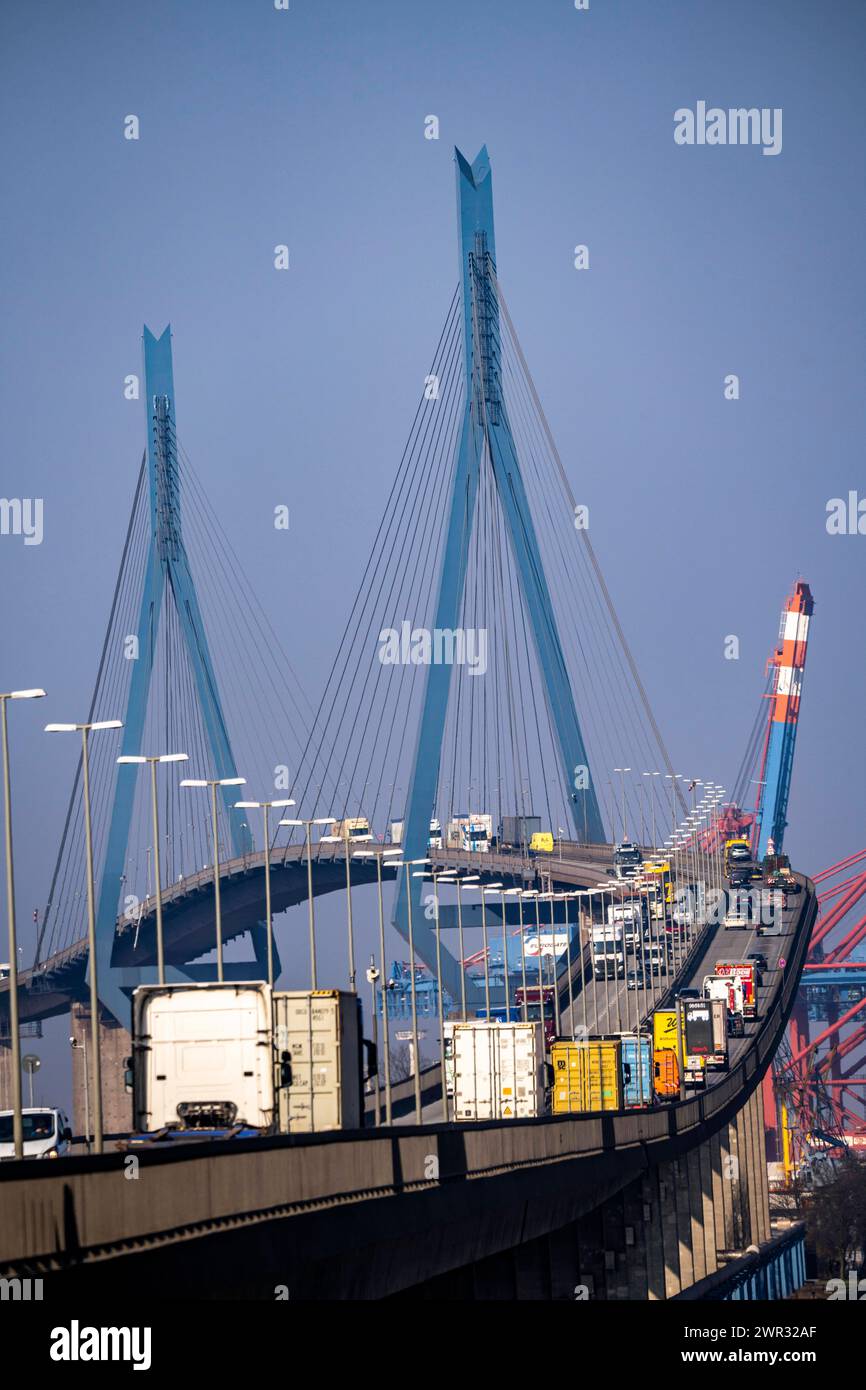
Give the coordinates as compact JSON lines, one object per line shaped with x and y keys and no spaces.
{"x":45,"y":1131}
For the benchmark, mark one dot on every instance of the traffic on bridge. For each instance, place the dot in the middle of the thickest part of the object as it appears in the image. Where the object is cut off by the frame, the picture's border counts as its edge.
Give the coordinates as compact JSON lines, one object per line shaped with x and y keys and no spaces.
{"x":461,"y":980}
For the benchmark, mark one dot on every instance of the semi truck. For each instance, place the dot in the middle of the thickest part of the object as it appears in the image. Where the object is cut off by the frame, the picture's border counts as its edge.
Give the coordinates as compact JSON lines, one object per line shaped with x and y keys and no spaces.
{"x":627,"y":860}
{"x":356,"y":830}
{"x":434,"y":836}
{"x":515,"y":832}
{"x":728,"y":989}
{"x":738,"y":851}
{"x":630,"y":915}
{"x":499,"y":1071}
{"x":696,"y":1017}
{"x":608,"y":957}
{"x":231,"y":1059}
{"x":666,"y":1054}
{"x":776,"y":873}
{"x":745,"y":970}
{"x":538,"y":1000}
{"x":472,"y":833}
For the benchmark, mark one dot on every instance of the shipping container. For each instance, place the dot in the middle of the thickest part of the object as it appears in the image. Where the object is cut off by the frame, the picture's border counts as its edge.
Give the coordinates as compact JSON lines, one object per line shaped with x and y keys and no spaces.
{"x":637,"y":1069}
{"x":587,"y":1076}
{"x":718,"y":1060}
{"x":318,"y":1060}
{"x":728,"y":989}
{"x":515,"y":831}
{"x":499,"y":1071}
{"x":202,"y":1056}
{"x":665,"y":1030}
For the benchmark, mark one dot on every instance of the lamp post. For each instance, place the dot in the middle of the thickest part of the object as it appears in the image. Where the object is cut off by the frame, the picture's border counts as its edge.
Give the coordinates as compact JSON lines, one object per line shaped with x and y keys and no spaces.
{"x":407,"y":864}
{"x":154,"y":809}
{"x":372,"y":977}
{"x":269,"y":920}
{"x":17,"y":1127}
{"x":75,"y":1046}
{"x":308,"y":824}
{"x":486,"y":951}
{"x":96,"y":1051}
{"x":380,"y":855}
{"x":440,"y":1000}
{"x":344,"y":839}
{"x":213,"y":783}
{"x":622,"y":771}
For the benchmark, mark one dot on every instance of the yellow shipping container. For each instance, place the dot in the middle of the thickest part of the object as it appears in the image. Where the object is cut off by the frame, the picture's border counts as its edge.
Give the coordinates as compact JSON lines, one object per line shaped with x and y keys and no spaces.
{"x":665,"y":1030}
{"x":587,"y":1076}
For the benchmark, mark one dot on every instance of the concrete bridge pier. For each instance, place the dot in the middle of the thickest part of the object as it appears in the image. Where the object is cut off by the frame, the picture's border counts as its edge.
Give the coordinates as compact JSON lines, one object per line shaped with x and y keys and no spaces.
{"x":666,"y":1230}
{"x":115,"y":1047}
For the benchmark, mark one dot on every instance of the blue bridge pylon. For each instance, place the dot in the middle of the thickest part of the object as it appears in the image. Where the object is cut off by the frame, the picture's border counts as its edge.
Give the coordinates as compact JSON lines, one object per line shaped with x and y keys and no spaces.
{"x":167,"y":579}
{"x":486,"y":433}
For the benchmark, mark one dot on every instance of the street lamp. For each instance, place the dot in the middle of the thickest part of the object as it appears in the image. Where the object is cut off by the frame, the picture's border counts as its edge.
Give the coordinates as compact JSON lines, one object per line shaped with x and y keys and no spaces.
{"x":266,"y":806}
{"x":380,"y":855}
{"x":407,"y":864}
{"x":17,"y":1128}
{"x":622,"y":771}
{"x":308,"y":824}
{"x":213,"y":783}
{"x":96,"y":1059}
{"x":344,"y":839}
{"x":159,"y":758}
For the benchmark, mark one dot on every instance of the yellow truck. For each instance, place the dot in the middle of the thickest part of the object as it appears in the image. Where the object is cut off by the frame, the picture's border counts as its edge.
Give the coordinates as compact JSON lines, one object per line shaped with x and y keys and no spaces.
{"x":587,"y":1076}
{"x":541,"y":842}
{"x":666,"y":1054}
{"x":737,"y":852}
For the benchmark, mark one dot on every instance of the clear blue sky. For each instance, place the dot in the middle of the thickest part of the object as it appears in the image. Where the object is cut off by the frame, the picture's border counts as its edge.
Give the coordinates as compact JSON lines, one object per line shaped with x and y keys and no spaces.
{"x":260,"y":127}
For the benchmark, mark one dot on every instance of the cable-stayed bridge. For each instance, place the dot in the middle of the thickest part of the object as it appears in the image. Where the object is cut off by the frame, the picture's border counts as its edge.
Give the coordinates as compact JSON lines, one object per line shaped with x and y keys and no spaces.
{"x":483,"y":673}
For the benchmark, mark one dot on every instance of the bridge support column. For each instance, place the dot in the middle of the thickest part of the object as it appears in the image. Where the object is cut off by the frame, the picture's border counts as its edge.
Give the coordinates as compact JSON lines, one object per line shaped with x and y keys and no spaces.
{"x":671,"y":1221}
{"x":759,"y":1186}
{"x":653,"y":1236}
{"x":115,"y":1046}
{"x":735,"y":1221}
{"x":721,"y":1195}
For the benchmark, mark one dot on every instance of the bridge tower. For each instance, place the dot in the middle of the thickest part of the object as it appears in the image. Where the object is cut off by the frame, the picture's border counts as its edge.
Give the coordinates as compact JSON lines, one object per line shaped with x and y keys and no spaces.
{"x":486,"y":435}
{"x":167,"y":580}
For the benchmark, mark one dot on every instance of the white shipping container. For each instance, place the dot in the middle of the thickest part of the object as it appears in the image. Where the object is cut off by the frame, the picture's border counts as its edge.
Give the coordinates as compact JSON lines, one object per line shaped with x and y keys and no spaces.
{"x":317,"y":1041}
{"x":202,"y":1055}
{"x":499,"y":1071}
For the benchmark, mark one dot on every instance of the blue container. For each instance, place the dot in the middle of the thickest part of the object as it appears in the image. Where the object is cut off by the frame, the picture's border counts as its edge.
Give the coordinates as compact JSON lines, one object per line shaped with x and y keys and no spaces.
{"x":637,"y":1059}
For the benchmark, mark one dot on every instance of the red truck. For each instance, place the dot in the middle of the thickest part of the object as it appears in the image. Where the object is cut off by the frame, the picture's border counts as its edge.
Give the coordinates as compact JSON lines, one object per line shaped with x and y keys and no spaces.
{"x":745,"y":970}
{"x":533,"y":1008}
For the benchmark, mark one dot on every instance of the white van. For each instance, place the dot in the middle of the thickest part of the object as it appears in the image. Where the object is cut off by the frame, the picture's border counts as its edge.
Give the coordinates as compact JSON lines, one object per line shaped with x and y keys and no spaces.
{"x":46,"y":1133}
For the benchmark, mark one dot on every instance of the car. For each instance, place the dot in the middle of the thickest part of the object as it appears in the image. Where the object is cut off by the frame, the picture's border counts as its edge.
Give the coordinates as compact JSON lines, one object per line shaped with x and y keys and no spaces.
{"x":740,"y":876}
{"x":635,"y":979}
{"x":45,"y":1133}
{"x":759,"y":960}
{"x":688,"y":994}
